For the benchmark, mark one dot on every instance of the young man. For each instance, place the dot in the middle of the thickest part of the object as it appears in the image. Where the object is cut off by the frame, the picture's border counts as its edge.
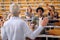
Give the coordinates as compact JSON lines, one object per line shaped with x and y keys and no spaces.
{"x":39,"y":18}
{"x":16,"y":29}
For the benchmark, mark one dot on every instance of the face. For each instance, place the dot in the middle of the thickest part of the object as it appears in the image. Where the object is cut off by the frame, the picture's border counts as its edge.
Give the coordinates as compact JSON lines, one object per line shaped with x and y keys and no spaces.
{"x":52,"y":8}
{"x":29,"y":10}
{"x":39,"y":12}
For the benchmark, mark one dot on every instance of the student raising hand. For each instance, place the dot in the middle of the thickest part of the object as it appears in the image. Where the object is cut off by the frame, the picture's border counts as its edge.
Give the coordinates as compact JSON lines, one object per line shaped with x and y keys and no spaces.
{"x":44,"y":21}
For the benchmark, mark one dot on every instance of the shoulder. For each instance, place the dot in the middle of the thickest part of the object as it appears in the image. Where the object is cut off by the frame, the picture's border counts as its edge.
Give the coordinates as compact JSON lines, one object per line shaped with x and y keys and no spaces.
{"x":35,"y":18}
{"x":6,"y":23}
{"x":21,"y":21}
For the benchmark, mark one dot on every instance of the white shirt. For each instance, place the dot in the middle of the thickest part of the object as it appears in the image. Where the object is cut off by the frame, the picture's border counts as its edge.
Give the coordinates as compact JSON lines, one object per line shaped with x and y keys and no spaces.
{"x":16,"y":29}
{"x":40,"y":21}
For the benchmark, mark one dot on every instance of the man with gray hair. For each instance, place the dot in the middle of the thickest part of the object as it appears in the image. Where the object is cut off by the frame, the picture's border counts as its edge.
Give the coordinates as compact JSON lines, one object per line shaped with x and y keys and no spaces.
{"x":16,"y":29}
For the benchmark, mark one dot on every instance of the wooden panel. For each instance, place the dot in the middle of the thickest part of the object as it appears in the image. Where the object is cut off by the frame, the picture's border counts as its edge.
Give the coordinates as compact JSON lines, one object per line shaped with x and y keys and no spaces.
{"x":32,"y":2}
{"x":7,"y":8}
{"x":0,"y":7}
{"x":21,"y":0}
{"x":7,"y":1}
{"x":15,"y":0}
{"x":0,"y":0}
{"x":28,"y":0}
{"x":56,"y":2}
{"x":7,"y":4}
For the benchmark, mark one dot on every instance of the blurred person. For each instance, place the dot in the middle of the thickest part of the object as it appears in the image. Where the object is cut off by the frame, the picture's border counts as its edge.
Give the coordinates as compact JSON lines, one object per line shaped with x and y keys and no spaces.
{"x":53,"y":14}
{"x":39,"y":18}
{"x":33,"y":25}
{"x":16,"y":29}
{"x":29,"y":14}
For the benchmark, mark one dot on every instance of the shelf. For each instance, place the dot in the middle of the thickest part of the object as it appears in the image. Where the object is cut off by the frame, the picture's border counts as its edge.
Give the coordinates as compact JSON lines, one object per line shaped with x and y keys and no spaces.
{"x":24,"y":4}
{"x":32,"y":8}
{"x":7,"y":0}
{"x":21,"y":0}
{"x":15,"y":0}
{"x":32,"y":5}
{"x":0,"y":0}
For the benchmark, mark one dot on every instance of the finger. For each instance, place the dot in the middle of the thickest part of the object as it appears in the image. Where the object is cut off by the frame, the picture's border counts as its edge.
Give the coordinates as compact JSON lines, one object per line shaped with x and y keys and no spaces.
{"x":45,"y":21}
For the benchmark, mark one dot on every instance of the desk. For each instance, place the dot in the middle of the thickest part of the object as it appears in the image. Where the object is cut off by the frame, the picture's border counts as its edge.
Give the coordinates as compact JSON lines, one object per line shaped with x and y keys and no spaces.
{"x":47,"y":36}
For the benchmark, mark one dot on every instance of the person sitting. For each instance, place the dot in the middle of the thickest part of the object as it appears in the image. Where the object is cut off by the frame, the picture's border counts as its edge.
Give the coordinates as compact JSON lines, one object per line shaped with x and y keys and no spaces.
{"x":53,"y":14}
{"x":40,"y":17}
{"x":29,"y":14}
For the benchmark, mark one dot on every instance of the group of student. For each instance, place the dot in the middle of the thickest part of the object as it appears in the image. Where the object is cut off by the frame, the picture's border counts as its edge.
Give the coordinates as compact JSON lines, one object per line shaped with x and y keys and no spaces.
{"x":52,"y":14}
{"x":16,"y":28}
{"x":36,"y":20}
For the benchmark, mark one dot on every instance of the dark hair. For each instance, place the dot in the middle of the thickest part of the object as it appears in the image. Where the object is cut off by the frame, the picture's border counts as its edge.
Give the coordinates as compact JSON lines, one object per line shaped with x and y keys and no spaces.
{"x":52,"y":7}
{"x":34,"y":22}
{"x":40,"y":8}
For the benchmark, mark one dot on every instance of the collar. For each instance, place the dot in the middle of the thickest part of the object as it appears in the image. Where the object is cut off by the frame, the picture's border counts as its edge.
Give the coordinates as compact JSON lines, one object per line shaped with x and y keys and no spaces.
{"x":14,"y":17}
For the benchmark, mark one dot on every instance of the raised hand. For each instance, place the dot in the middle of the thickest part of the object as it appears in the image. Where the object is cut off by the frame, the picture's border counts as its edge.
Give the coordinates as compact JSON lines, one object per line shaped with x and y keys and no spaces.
{"x":48,"y":7}
{"x":44,"y":21}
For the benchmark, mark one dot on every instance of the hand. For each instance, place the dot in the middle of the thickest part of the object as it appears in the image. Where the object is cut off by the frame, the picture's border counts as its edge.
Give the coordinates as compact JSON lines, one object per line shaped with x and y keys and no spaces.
{"x":27,"y":17}
{"x":48,"y":7}
{"x":44,"y":21}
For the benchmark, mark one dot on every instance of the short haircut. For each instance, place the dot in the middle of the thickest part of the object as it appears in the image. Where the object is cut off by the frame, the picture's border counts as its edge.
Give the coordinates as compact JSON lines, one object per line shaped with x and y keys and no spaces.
{"x":52,"y":7}
{"x":40,"y":8}
{"x":14,"y":7}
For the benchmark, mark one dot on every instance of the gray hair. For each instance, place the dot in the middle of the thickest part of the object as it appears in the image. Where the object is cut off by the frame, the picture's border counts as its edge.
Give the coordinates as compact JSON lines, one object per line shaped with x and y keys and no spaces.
{"x":14,"y":7}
